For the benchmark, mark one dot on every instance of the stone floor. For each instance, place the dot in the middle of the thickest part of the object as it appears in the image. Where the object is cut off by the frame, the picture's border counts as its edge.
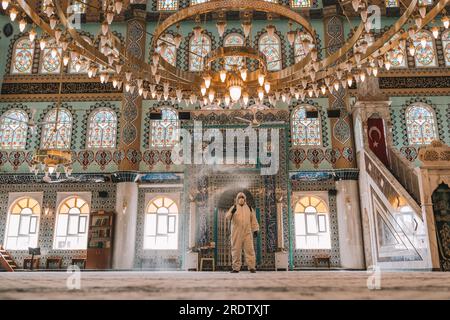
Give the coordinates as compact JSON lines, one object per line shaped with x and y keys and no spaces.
{"x":221,"y":285}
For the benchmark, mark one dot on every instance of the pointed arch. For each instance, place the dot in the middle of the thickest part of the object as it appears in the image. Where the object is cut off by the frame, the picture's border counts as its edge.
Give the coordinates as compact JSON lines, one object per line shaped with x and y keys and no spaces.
{"x":421,"y":124}
{"x":23,"y":54}
{"x":57,"y":130}
{"x":13,"y":130}
{"x":271,"y":48}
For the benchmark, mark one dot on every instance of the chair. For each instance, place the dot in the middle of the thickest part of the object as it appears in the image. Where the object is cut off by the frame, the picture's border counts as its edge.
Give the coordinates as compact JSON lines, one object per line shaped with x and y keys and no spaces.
{"x":27,"y":263}
{"x":208,"y":259}
{"x":53,"y":263}
{"x":322,"y":257}
{"x":203,"y":250}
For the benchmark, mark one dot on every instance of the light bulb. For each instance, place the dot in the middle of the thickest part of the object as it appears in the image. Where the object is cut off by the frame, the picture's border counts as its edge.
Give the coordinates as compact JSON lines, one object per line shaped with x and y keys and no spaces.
{"x":244,"y":74}
{"x":66,"y":60}
{"x":42,"y":44}
{"x":261,"y":78}
{"x":207,"y":79}
{"x":323,"y":88}
{"x":435,"y":31}
{"x":13,"y":14}
{"x":261,"y":94}
{"x":235,"y":92}
{"x":375,"y":71}
{"x":411,"y":49}
{"x":221,"y":25}
{"x":445,"y":21}
{"x":227,"y":100}
{"x":349,"y":80}
{"x":32,"y":34}
{"x":423,"y":41}
{"x":245,"y":98}
{"x":22,"y":25}
{"x":223,"y":75}
{"x":387,"y":64}
{"x":203,"y":90}
{"x":118,"y":6}
{"x":267,"y":87}
{"x":211,"y":96}
{"x":5,"y":4}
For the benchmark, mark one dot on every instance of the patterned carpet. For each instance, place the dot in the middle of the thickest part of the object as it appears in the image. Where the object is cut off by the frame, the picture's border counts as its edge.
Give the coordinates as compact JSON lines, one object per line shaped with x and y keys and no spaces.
{"x":220,"y":285}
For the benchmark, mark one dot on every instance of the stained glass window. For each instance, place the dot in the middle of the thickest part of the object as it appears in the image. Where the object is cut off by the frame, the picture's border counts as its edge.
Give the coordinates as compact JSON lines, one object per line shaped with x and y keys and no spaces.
{"x":312,"y":225}
{"x":274,"y":1}
{"x":167,"y":5}
{"x":301,"y":49}
{"x":446,"y":45}
{"x":78,"y":6}
{"x":23,"y":224}
{"x":305,"y":131}
{"x":391,"y":3}
{"x":170,"y":53}
{"x":420,"y":124}
{"x":57,"y":130}
{"x":165,"y":132}
{"x":425,"y":55}
{"x":102,"y":129}
{"x":161,"y":225}
{"x":300,"y":3}
{"x":80,"y":65}
{"x":23,"y":56}
{"x":72,"y":224}
{"x":233,"y":39}
{"x":426,"y":2}
{"x":199,"y":48}
{"x":271,"y":48}
{"x":51,"y":58}
{"x":198,"y":1}
{"x":13,"y":130}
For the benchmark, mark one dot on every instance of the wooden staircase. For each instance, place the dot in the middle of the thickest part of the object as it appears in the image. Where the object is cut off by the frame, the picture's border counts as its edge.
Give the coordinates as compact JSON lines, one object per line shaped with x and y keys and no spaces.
{"x":6,"y":261}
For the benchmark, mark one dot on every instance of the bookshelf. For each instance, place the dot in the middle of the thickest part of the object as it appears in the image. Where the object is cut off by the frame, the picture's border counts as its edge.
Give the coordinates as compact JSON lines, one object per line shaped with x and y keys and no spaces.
{"x":100,"y":240}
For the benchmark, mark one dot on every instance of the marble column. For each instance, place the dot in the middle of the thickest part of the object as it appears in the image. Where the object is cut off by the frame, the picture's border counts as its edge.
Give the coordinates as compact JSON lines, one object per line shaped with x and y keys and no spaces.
{"x":351,"y":244}
{"x":129,"y":147}
{"x":126,"y":223}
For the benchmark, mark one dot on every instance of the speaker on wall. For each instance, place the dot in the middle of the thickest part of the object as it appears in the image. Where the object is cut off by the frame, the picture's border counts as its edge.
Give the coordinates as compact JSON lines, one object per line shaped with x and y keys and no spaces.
{"x":184,"y":115}
{"x":155,"y":116}
{"x":103,"y":194}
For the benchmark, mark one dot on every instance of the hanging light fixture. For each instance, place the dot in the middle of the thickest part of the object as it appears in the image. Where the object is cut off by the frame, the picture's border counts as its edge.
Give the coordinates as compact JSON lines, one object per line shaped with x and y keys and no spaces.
{"x":221,"y":25}
{"x":223,"y":75}
{"x":243,"y":73}
{"x":5,"y":4}
{"x":261,"y":78}
{"x":267,"y":87}
{"x":246,"y":27}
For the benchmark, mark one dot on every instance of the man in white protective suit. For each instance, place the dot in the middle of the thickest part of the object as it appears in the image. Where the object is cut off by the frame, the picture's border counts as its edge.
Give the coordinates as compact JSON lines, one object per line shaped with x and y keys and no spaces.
{"x":244,"y":227}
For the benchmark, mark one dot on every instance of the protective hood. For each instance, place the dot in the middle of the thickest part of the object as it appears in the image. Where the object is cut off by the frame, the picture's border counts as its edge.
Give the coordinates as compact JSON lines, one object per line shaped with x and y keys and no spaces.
{"x":240,"y":194}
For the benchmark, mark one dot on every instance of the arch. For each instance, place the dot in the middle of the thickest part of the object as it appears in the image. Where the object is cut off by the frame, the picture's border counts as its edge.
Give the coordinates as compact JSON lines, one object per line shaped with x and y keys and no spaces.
{"x":57,"y":130}
{"x":165,"y":132}
{"x":71,"y":226}
{"x":102,"y":131}
{"x":51,"y":58}
{"x":22,"y":228}
{"x":170,"y":53}
{"x":23,"y":54}
{"x":198,"y":49}
{"x":233,"y":39}
{"x":312,"y":223}
{"x":425,"y":55}
{"x":271,"y":48}
{"x":305,"y":131}
{"x":446,"y":46}
{"x":161,"y":224}
{"x":421,"y":124}
{"x":13,"y":130}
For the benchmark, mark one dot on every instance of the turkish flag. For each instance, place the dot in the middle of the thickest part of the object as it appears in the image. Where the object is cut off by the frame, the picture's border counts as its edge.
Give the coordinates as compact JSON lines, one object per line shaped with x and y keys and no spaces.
{"x":377,"y":140}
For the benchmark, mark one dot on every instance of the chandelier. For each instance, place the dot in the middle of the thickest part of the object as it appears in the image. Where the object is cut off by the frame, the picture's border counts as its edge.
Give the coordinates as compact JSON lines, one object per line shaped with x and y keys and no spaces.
{"x":51,"y":162}
{"x":360,"y":57}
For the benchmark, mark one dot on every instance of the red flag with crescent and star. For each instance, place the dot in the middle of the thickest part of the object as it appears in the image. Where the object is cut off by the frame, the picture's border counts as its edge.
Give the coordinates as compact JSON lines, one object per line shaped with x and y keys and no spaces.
{"x":377,"y":141}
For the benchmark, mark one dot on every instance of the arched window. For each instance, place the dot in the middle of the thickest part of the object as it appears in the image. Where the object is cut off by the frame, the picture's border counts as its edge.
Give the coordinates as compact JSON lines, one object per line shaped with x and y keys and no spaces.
{"x":78,"y":7}
{"x":167,"y":5}
{"x":391,"y":3}
{"x":22,"y":60}
{"x":302,"y":49}
{"x":198,"y":1}
{"x":271,"y":48}
{"x":446,"y":45}
{"x":165,"y":132}
{"x":23,"y":224}
{"x":199,"y":48}
{"x":233,"y":39}
{"x":420,"y":124}
{"x":300,"y":3}
{"x":13,"y":130}
{"x":57,"y":130}
{"x":161,"y":225}
{"x":72,"y":224}
{"x":425,"y":2}
{"x":80,"y":65}
{"x":312,"y":224}
{"x":425,"y":55}
{"x":305,"y":130}
{"x":51,"y":58}
{"x":102,"y":129}
{"x":170,"y":53}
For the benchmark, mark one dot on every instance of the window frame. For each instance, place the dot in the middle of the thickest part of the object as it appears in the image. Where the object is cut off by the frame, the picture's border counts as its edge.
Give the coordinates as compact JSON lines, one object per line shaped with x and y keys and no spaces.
{"x":433,"y":117}
{"x":433,"y":44}
{"x":280,"y":52}
{"x":192,"y":56}
{"x":3,"y":116}
{"x":89,"y":122}
{"x":152,"y":127}
{"x":306,"y":107}
{"x":13,"y":59}
{"x":44,"y":130}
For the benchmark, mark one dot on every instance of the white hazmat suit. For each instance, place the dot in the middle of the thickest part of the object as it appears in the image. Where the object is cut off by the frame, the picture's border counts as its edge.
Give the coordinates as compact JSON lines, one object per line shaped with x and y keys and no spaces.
{"x":243,"y":225}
